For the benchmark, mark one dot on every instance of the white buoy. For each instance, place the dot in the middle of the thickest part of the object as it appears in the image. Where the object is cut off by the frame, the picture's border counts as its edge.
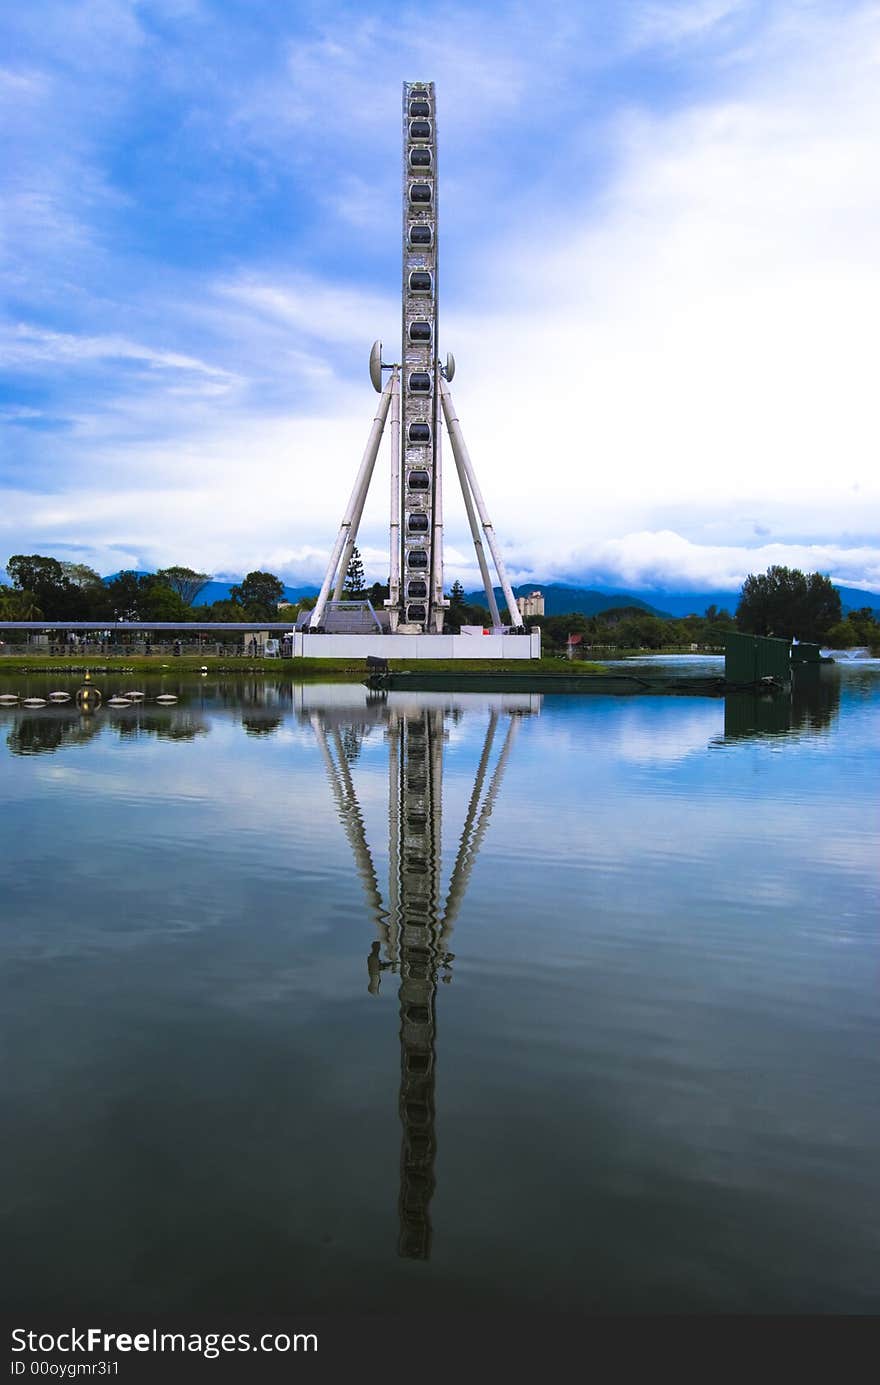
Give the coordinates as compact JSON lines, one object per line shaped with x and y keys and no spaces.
{"x":33,"y":702}
{"x":166,"y":697}
{"x":59,"y":697}
{"x":118,"y":702}
{"x":8,"y":699}
{"x":135,"y":696}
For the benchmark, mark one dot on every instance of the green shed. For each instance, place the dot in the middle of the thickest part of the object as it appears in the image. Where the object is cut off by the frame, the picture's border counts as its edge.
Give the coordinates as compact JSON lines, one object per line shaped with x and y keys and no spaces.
{"x":805,"y":653}
{"x":748,"y":658}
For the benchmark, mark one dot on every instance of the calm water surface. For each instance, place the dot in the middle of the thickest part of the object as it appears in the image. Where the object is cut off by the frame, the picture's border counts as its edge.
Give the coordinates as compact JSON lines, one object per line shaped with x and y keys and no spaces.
{"x":313,"y":1000}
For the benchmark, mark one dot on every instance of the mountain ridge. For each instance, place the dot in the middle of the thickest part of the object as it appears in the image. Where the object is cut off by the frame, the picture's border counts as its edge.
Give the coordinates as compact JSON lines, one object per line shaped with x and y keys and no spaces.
{"x":568,"y":598}
{"x":563,"y":598}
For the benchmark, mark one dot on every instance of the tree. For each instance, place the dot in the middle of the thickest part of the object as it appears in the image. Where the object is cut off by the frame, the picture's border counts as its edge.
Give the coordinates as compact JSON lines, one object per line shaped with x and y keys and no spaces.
{"x":126,"y":593}
{"x":461,"y":612}
{"x":261,"y":591}
{"x":353,"y":586}
{"x":227,"y":611}
{"x":184,"y":581}
{"x":35,"y":573}
{"x":859,"y":628}
{"x":80,"y":575}
{"x":455,"y":613}
{"x":788,"y":603}
{"x":161,"y":602}
{"x":19,"y":605}
{"x":44,"y":579}
{"x":84,"y":595}
{"x":64,"y":591}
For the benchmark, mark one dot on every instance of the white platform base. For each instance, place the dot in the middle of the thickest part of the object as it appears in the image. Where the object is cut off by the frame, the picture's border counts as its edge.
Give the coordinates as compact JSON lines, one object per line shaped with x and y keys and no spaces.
{"x":306,"y":646}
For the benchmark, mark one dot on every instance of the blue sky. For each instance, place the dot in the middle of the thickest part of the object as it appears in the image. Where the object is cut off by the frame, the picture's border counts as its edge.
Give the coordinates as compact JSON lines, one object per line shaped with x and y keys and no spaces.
{"x":659,"y":276}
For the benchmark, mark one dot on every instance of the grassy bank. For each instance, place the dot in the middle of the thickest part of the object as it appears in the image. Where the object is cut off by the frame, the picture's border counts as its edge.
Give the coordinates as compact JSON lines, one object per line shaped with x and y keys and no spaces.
{"x":297,"y":670}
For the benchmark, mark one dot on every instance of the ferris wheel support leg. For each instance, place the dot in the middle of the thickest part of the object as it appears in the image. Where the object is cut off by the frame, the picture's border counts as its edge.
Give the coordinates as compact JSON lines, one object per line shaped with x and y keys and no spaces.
{"x":478,"y":542}
{"x":351,"y":540}
{"x":464,"y":464}
{"x":453,"y":901}
{"x":461,"y":869}
{"x":354,"y":508}
{"x":393,"y":602}
{"x":438,"y":601}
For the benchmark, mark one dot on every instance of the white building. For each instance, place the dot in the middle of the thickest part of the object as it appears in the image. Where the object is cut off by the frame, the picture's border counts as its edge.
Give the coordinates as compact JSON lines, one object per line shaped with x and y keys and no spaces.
{"x":531,"y":605}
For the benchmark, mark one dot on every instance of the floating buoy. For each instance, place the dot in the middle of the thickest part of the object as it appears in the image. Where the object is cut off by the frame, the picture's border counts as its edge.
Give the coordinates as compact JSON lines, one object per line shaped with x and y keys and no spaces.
{"x":88,"y":697}
{"x":33,"y":702}
{"x":59,"y":697}
{"x":135,"y":696}
{"x":8,"y":699}
{"x":166,"y":697}
{"x":118,"y":702}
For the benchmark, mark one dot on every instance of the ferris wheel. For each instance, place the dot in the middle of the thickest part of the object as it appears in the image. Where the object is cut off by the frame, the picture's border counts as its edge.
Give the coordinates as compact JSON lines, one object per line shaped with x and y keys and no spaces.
{"x":418,"y":399}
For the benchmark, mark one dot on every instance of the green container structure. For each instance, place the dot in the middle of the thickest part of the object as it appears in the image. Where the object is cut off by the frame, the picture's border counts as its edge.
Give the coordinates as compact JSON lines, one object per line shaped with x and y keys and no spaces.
{"x":805,"y":654}
{"x":749,"y":658}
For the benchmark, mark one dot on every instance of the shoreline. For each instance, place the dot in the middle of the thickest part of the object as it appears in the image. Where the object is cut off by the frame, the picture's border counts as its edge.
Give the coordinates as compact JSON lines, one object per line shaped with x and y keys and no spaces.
{"x":299,"y":670}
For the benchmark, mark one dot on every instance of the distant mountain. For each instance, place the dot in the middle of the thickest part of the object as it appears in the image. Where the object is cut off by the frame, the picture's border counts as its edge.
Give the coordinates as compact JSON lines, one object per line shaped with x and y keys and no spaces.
{"x":219,"y":591}
{"x":562,"y":600}
{"x":854,"y":599}
{"x":679,"y":603}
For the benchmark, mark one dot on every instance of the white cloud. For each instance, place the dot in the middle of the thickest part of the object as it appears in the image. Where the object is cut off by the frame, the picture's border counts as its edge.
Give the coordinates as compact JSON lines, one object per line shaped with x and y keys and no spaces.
{"x":23,"y":344}
{"x":658,"y":366}
{"x":326,"y":312}
{"x":683,"y":20}
{"x":700,"y":349}
{"x":665,"y":559}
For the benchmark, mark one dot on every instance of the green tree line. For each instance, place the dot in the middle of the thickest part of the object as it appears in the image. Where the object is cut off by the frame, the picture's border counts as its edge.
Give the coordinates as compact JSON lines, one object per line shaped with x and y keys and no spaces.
{"x":47,"y":589}
{"x":784,"y":602}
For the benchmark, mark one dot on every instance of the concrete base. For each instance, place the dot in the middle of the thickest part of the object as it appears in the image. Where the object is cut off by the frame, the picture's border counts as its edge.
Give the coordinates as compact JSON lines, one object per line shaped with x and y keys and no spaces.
{"x":306,"y":646}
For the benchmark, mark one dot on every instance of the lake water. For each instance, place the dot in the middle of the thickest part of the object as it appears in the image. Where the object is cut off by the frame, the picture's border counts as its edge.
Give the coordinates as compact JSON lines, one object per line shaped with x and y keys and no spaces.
{"x":316,"y":1000}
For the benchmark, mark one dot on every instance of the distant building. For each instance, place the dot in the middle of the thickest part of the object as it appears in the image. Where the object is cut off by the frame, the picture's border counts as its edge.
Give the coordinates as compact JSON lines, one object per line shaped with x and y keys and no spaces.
{"x":531,"y":605}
